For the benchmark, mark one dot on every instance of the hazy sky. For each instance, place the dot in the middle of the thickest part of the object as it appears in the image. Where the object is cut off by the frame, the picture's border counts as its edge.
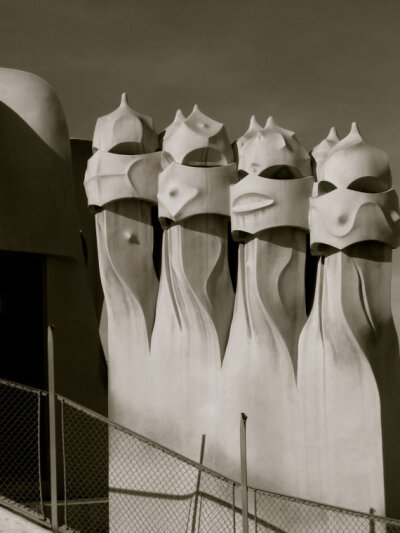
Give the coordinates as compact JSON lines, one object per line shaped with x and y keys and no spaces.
{"x":310,"y":63}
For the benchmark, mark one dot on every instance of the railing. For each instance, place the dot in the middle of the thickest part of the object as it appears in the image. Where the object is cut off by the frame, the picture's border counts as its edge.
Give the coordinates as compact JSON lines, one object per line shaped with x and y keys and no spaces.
{"x":111,"y":479}
{"x":21,"y":449}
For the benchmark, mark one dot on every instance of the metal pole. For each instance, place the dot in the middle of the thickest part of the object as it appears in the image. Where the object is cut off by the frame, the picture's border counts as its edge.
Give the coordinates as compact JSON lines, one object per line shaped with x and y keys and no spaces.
{"x":243,"y":470}
{"x":196,"y":497}
{"x":372,"y":521}
{"x":52,"y":429}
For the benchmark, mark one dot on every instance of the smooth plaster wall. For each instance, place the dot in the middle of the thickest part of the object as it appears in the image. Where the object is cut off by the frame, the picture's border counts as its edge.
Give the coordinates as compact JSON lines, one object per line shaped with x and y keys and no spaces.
{"x":38,"y":215}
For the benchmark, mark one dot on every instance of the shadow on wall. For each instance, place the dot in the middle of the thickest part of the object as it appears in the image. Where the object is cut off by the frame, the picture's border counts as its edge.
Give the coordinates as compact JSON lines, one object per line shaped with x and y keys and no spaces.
{"x":381,"y":346}
{"x":38,"y":216}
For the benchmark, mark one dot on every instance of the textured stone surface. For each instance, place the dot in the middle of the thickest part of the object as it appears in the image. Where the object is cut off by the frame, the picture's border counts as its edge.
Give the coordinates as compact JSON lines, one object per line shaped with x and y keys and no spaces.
{"x":13,"y":523}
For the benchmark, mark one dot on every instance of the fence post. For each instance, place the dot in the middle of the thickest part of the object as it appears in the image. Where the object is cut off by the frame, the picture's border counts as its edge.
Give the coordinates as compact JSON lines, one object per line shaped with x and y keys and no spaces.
{"x":196,"y":496}
{"x":52,"y":429}
{"x":243,"y":470}
{"x":372,"y":521}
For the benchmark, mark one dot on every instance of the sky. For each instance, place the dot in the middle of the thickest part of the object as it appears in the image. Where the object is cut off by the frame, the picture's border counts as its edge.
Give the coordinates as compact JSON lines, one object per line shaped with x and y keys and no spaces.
{"x":312,"y":64}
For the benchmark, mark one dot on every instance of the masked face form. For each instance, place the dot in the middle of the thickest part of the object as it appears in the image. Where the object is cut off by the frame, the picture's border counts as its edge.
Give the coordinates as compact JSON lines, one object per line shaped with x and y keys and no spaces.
{"x":195,"y":300}
{"x":121,"y":185}
{"x":353,"y":200}
{"x":122,"y":165}
{"x":277,"y":182}
{"x":198,"y":169}
{"x":197,"y":141}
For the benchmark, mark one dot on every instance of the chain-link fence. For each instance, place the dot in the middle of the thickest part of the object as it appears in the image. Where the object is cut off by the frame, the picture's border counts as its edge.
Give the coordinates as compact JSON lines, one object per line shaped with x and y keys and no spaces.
{"x":112,"y":480}
{"x":21,"y":453}
{"x":135,"y":484}
{"x":278,"y":513}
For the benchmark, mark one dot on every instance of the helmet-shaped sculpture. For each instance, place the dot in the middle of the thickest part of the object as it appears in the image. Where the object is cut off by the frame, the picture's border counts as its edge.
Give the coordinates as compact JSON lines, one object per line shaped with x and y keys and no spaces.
{"x":272,"y":148}
{"x":197,"y":141}
{"x":198,"y":168}
{"x":39,"y":217}
{"x":353,"y":200}
{"x":125,"y":163}
{"x":125,"y":131}
{"x":276,"y":185}
{"x":34,"y":165}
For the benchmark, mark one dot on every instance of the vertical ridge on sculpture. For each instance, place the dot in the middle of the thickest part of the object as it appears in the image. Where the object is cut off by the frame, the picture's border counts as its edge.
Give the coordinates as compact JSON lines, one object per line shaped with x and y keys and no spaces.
{"x":349,"y":375}
{"x":195,"y":300}
{"x":121,"y":184}
{"x":269,"y":209}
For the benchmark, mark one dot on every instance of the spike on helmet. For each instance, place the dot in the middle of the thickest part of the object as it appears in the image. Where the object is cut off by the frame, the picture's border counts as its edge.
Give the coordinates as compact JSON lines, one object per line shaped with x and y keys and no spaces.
{"x":198,"y":140}
{"x":253,"y":129}
{"x":273,"y":146}
{"x":125,"y":131}
{"x":353,"y":158}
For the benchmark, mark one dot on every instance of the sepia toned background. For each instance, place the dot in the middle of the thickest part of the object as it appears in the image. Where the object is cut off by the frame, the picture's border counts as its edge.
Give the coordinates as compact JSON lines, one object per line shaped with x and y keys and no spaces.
{"x":312,"y":64}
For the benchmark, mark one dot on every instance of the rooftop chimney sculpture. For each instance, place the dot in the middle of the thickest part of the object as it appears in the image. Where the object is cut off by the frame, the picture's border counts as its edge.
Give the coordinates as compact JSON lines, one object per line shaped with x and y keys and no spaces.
{"x":195,"y":300}
{"x":349,"y":375}
{"x":121,"y":185}
{"x":321,"y":393}
{"x":269,"y":218}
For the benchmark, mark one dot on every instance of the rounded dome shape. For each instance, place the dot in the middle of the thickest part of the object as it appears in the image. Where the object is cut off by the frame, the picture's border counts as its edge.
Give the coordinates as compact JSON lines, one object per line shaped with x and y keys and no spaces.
{"x":125,"y":131}
{"x":37,"y":203}
{"x":273,"y":146}
{"x":36,"y":103}
{"x":353,"y":158}
{"x":198,"y":140}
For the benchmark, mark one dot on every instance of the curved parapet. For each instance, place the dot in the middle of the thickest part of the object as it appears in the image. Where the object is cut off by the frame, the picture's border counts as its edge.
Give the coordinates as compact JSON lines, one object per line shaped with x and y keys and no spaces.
{"x":37,"y":211}
{"x":38,"y":216}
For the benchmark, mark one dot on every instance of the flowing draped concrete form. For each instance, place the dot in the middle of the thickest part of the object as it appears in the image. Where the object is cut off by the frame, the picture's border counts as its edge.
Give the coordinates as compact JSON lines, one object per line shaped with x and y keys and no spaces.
{"x":195,"y":301}
{"x":39,"y":222}
{"x":269,"y":217}
{"x":121,"y":185}
{"x":349,"y":372}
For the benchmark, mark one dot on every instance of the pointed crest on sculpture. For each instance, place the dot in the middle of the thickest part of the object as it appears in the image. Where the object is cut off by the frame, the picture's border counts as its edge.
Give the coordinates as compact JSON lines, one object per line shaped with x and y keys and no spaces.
{"x":321,"y":150}
{"x":272,"y":147}
{"x":253,"y":129}
{"x":178,"y":120}
{"x":197,"y":140}
{"x":353,"y":158}
{"x":353,"y":201}
{"x":125,"y":131}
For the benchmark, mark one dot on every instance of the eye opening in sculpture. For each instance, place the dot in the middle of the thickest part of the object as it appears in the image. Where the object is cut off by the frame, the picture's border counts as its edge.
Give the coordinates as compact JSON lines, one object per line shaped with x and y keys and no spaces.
{"x":368,"y":184}
{"x":127,"y":148}
{"x":204,"y":157}
{"x":281,"y":172}
{"x":325,"y":186}
{"x":242,"y":173}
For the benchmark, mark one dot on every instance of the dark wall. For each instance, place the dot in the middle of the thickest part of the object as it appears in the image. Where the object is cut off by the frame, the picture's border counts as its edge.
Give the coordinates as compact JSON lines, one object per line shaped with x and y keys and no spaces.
{"x":81,"y":151}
